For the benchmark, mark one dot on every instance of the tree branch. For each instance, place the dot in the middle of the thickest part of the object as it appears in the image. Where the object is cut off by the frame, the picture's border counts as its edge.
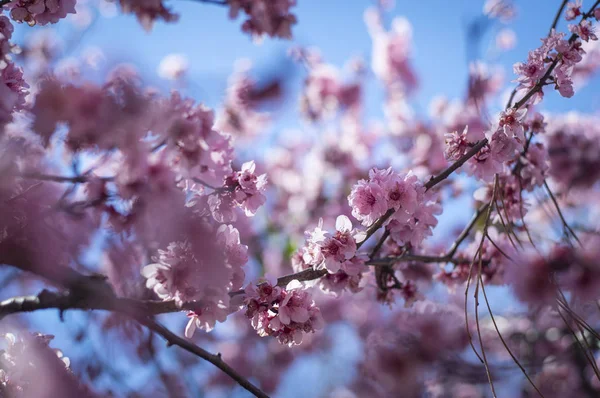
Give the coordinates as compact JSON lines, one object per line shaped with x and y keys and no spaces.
{"x":132,"y":308}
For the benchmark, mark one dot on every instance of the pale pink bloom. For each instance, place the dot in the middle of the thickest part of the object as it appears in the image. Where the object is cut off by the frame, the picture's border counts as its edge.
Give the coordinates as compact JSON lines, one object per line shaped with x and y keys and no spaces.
{"x":401,"y":193}
{"x":485,"y":164}
{"x":368,"y":201}
{"x":229,"y":238}
{"x":222,"y":207}
{"x":338,"y":248}
{"x":564,"y":83}
{"x":456,"y":144}
{"x":205,"y":316}
{"x":536,"y":123}
{"x":504,"y":10}
{"x":531,"y":71}
{"x":535,"y":166}
{"x":585,"y":30}
{"x":391,"y":51}
{"x":511,"y":121}
{"x":506,"y":39}
{"x":573,"y":10}
{"x":173,"y":67}
{"x":503,"y":147}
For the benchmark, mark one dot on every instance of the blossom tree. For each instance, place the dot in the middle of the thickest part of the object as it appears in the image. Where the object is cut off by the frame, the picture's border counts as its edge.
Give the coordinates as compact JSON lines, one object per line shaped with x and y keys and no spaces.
{"x":146,"y":217}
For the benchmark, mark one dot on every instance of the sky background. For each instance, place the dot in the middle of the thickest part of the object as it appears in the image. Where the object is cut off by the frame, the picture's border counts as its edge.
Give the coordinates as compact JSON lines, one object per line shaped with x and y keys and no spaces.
{"x":212,"y":43}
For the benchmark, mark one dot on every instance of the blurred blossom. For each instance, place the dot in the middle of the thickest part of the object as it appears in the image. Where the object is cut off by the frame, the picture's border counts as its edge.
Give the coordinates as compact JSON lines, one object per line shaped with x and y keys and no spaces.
{"x":506,"y":39}
{"x":173,"y":67}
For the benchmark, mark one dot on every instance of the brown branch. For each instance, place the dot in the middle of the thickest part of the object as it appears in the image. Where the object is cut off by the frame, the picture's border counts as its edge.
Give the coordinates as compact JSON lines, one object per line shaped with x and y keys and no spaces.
{"x":88,"y":300}
{"x":173,"y":339}
{"x":62,"y":179}
{"x":557,"y":16}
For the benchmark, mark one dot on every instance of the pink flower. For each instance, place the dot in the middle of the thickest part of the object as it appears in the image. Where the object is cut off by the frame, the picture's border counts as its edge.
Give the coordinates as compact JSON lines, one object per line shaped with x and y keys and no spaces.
{"x":536,"y":123}
{"x":401,"y":193}
{"x":573,"y":10}
{"x":330,"y":251}
{"x":585,"y":30}
{"x":456,"y":144}
{"x":282,"y":313}
{"x":368,"y":201}
{"x":535,"y":166}
{"x":148,"y":11}
{"x":511,"y":121}
{"x":564,"y":84}
{"x":205,"y":316}
{"x":229,"y":238}
{"x":485,"y":164}
{"x":265,"y":17}
{"x":391,"y":51}
{"x":531,"y":71}
{"x":503,"y":147}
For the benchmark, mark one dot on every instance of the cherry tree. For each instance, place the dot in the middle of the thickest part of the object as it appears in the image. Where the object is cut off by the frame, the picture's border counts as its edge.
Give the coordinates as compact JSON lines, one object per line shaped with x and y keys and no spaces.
{"x":147,"y":219}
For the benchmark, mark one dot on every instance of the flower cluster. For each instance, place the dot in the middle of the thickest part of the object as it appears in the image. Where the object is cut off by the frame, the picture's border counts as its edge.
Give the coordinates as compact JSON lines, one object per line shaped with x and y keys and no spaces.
{"x":414,"y":207}
{"x":13,"y":90}
{"x":324,"y":92}
{"x":573,"y":144}
{"x":30,"y":368}
{"x":244,"y":189}
{"x":239,"y":116}
{"x":285,"y":313}
{"x":391,"y":51}
{"x":336,"y":253}
{"x":535,"y":279}
{"x":200,"y":274}
{"x":556,"y":58}
{"x":265,"y":17}
{"x":148,"y":11}
{"x":40,"y":12}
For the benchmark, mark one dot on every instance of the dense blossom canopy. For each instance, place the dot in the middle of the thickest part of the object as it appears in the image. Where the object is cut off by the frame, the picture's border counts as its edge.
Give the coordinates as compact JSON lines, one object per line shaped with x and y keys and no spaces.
{"x":120,"y":197}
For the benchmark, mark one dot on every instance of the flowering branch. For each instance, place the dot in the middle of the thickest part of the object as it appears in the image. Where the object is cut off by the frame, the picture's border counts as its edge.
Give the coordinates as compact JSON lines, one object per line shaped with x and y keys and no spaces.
{"x":135,"y":309}
{"x":542,"y":82}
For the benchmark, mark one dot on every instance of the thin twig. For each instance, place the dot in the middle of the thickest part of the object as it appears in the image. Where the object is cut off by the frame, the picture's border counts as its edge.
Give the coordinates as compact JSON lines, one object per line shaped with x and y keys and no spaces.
{"x":504,"y":342}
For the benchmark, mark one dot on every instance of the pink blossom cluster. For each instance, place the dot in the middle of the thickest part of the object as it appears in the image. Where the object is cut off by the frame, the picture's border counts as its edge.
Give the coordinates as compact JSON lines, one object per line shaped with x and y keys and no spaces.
{"x":505,"y":140}
{"x":244,"y":189}
{"x":391,"y":51}
{"x":30,"y":368}
{"x":239,"y":116}
{"x":40,"y":12}
{"x":196,"y":275}
{"x":414,"y":207}
{"x":148,"y":11}
{"x":6,"y":31}
{"x":13,"y":90}
{"x":336,"y":253}
{"x":325,"y":92}
{"x":285,"y":313}
{"x":398,"y":352}
{"x":573,"y":145}
{"x":265,"y":17}
{"x":555,"y":60}
{"x":536,"y":278}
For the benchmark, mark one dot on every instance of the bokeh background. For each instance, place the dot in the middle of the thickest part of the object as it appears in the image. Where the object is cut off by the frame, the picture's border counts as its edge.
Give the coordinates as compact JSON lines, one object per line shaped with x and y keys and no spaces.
{"x":447,"y":36}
